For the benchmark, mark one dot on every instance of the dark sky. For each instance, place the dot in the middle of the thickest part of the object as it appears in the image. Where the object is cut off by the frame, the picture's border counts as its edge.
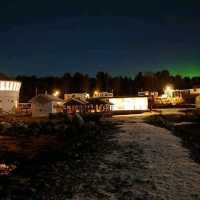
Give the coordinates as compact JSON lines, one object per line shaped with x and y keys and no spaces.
{"x":50,"y":37}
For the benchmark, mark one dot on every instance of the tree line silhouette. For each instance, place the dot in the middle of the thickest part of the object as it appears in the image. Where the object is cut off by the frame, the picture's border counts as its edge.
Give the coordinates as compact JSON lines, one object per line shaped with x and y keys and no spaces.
{"x":119,"y":85}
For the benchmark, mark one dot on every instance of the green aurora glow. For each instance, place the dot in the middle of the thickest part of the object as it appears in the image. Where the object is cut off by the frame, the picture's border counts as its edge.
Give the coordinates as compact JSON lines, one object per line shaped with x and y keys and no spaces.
{"x":182,"y":69}
{"x":186,"y":70}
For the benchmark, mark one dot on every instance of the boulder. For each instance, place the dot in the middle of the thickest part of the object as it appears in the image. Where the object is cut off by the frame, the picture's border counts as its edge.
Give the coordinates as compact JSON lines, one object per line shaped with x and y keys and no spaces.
{"x":4,"y":126}
{"x":78,"y":120}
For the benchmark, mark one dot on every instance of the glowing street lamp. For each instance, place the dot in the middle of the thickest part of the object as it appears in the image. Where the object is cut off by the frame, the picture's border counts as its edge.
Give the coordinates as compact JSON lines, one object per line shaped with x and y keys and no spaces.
{"x":96,"y":93}
{"x":56,"y":93}
{"x":168,"y":91}
{"x":87,"y":96}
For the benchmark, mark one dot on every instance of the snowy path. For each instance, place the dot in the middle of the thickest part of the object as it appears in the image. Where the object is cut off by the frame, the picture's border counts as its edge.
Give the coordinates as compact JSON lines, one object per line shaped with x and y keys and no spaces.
{"x":135,"y":161}
{"x":167,"y":166}
{"x":144,"y":162}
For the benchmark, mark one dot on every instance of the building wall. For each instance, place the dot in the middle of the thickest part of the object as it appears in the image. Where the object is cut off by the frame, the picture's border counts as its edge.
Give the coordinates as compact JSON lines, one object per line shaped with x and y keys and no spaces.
{"x":186,"y":92}
{"x":195,"y":91}
{"x":76,"y":95}
{"x":9,"y":96}
{"x":57,"y":107}
{"x":41,"y":110}
{"x":129,"y":103}
{"x":102,"y":94}
{"x":147,"y":94}
{"x":197,"y":102}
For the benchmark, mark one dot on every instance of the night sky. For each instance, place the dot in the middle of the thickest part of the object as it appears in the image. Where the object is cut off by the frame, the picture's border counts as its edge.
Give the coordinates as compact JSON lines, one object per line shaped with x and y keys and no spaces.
{"x":50,"y":37}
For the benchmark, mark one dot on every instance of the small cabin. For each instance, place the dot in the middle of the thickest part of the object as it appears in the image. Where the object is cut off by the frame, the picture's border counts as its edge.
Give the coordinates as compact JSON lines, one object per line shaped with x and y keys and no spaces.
{"x":75,"y":105}
{"x":44,"y":104}
{"x":92,"y":105}
{"x":197,"y":102}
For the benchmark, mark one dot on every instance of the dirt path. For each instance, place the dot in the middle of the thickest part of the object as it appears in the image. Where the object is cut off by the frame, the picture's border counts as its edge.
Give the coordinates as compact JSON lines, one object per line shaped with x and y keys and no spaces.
{"x":146,"y":162}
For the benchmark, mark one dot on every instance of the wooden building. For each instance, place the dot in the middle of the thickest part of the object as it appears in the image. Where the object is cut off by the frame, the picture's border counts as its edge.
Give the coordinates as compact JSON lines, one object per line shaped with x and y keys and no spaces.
{"x":44,"y":104}
{"x":92,"y":105}
{"x":75,"y":105}
{"x":197,"y":102}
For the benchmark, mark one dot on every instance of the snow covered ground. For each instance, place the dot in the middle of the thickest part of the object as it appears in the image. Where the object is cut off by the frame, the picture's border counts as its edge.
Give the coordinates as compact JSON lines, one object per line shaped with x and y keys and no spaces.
{"x":167,"y":164}
{"x":135,"y":161}
{"x":148,"y":162}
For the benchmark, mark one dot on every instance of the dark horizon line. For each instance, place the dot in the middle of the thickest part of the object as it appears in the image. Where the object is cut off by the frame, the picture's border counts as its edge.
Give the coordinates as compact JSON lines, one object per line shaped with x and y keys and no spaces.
{"x":94,"y":76}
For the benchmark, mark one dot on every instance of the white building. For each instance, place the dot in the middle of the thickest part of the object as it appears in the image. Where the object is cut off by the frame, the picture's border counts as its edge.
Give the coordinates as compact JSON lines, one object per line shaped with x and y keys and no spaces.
{"x":129,"y":104}
{"x":44,"y":104}
{"x":82,"y":96}
{"x":186,"y":92}
{"x":195,"y":91}
{"x":197,"y":102}
{"x":9,"y":95}
{"x":102,"y":94}
{"x":148,"y":94}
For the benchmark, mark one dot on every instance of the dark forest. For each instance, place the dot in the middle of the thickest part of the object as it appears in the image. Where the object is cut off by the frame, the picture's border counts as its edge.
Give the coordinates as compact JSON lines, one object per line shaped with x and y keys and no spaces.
{"x":119,"y":85}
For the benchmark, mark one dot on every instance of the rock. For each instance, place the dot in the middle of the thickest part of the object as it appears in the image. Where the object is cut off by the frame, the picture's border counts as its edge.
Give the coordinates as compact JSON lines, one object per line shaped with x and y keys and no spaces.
{"x":67,"y":119}
{"x":78,"y":120}
{"x":58,"y":127}
{"x":24,"y":181}
{"x":23,"y":125}
{"x":134,"y":195}
{"x":5,"y":125}
{"x":65,"y":127}
{"x":91,"y":124}
{"x":128,"y":195}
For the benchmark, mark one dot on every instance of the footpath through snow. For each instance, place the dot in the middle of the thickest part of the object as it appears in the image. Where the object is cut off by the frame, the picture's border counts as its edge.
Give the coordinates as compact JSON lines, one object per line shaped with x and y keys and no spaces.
{"x":167,"y":172}
{"x":146,"y":163}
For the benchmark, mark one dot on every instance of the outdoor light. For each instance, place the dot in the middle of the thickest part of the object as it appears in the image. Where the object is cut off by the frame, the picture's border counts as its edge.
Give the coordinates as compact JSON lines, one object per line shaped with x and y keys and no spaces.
{"x":168,"y":91}
{"x":56,"y":93}
{"x":96,"y":93}
{"x":168,"y":88}
{"x":87,"y":95}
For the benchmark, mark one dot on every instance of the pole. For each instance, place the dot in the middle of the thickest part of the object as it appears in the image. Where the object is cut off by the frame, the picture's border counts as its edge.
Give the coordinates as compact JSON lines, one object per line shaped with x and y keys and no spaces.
{"x":36,"y":91}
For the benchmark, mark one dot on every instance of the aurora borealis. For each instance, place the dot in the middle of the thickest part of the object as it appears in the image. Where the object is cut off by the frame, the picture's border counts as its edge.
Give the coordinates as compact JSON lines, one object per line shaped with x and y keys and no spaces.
{"x":186,"y":71}
{"x":118,"y":37}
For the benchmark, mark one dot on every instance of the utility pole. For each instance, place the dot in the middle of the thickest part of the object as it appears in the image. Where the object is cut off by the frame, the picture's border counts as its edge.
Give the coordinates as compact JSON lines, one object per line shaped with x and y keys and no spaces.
{"x":36,"y":91}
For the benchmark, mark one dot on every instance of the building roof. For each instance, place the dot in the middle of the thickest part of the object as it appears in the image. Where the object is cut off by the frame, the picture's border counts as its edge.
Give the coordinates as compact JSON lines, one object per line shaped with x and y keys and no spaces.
{"x":45,"y":98}
{"x":75,"y":101}
{"x":4,"y":77}
{"x":98,"y":101}
{"x":198,"y":98}
{"x":93,"y":101}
